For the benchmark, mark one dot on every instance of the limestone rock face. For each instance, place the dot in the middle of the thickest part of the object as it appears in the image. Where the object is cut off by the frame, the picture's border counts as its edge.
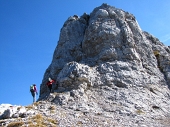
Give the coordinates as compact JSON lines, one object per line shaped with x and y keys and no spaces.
{"x":109,"y":48}
{"x":105,"y":63}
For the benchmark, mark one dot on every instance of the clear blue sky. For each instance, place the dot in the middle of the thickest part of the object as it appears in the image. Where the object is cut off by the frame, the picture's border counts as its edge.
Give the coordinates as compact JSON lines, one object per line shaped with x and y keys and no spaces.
{"x":29,"y":32}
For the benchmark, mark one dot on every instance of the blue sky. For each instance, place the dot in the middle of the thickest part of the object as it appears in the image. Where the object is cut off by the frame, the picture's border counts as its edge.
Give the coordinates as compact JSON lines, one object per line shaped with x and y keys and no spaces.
{"x":29,"y":32}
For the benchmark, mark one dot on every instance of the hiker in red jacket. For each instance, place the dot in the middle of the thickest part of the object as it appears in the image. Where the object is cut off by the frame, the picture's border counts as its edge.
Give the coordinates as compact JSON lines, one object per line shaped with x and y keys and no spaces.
{"x":50,"y":83}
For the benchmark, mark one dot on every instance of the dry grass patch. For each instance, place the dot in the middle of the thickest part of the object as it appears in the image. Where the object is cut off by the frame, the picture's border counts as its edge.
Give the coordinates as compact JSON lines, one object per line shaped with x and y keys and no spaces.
{"x":79,"y":123}
{"x":37,"y":103}
{"x":55,"y":93}
{"x":29,"y":107}
{"x":32,"y":106}
{"x":37,"y":117}
{"x":52,"y":109}
{"x":15,"y":124}
{"x":41,"y":121}
{"x":37,"y":121}
{"x":140,"y":112}
{"x":52,"y":121}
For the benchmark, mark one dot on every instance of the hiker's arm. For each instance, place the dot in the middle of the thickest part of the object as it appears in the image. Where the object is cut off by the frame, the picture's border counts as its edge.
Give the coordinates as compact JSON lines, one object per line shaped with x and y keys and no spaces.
{"x":53,"y":81}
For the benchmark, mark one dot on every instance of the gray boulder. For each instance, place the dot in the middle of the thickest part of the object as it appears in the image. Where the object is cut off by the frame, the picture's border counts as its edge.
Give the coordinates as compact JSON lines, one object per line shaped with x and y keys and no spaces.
{"x":6,"y":114}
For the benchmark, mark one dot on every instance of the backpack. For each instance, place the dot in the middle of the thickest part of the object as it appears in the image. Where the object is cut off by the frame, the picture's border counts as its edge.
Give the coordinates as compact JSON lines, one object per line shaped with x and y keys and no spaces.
{"x":32,"y":88}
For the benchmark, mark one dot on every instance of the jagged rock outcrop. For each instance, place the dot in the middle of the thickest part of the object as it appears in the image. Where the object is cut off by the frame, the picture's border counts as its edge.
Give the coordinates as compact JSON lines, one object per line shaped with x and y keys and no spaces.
{"x":104,"y":62}
{"x":109,"y":71}
{"x":107,"y":48}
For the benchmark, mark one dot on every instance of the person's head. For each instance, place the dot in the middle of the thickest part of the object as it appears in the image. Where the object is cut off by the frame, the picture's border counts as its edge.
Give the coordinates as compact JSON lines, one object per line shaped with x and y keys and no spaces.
{"x":49,"y":79}
{"x":34,"y":85}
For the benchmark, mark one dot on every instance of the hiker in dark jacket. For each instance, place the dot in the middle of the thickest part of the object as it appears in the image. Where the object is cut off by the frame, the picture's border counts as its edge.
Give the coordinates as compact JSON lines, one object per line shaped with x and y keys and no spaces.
{"x":33,"y":90}
{"x":50,"y":83}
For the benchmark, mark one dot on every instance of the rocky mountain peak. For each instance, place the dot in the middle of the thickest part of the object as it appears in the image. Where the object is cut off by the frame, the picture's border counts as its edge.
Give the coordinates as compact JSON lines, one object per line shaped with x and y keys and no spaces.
{"x":107,"y":48}
{"x":110,"y":71}
{"x":104,"y":62}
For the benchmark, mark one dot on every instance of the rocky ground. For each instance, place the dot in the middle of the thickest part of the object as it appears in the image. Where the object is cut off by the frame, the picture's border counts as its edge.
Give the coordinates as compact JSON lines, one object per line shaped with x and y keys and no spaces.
{"x":97,"y":113}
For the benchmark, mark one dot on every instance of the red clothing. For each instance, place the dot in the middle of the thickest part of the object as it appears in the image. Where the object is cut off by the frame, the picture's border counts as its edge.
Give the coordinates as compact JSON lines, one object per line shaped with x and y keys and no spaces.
{"x":50,"y":82}
{"x":35,"y":89}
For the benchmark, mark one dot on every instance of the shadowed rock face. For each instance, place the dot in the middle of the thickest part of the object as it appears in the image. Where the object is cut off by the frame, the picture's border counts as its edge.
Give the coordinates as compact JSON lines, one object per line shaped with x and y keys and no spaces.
{"x":105,"y":58}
